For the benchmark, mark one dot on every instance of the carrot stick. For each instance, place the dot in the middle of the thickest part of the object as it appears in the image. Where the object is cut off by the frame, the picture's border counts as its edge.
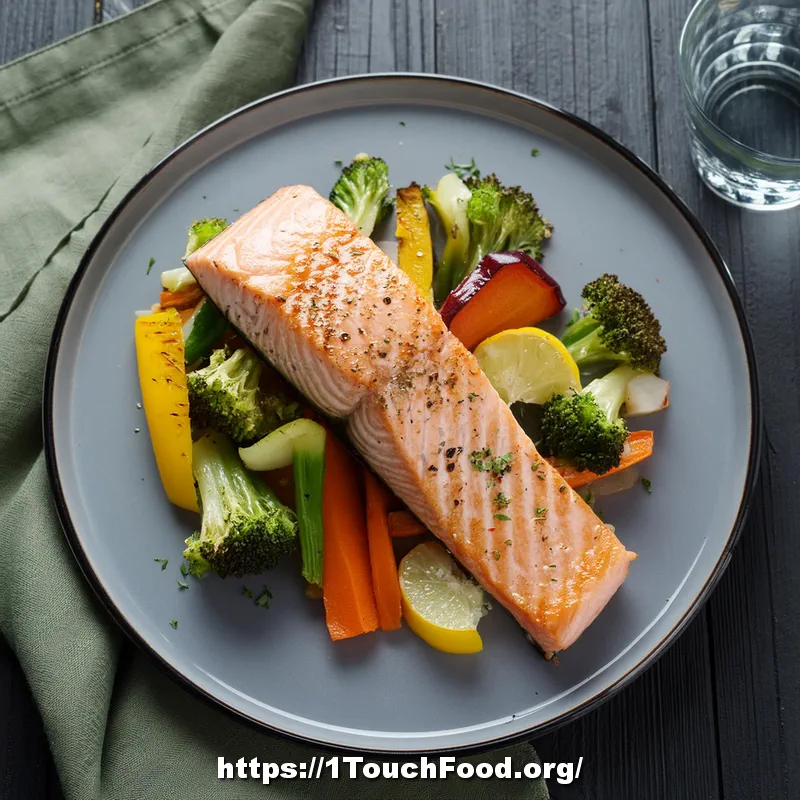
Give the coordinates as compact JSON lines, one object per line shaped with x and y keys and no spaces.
{"x":381,"y":555}
{"x":404,"y":523}
{"x":346,"y":574}
{"x":185,"y":298}
{"x":640,"y":447}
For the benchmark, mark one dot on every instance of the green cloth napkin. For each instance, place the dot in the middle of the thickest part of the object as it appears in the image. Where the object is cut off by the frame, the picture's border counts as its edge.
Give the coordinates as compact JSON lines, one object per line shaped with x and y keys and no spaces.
{"x":80,"y":122}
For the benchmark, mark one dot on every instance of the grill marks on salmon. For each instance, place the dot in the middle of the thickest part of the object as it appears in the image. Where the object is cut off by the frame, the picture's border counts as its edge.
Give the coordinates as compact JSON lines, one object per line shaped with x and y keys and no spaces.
{"x":350,"y":330}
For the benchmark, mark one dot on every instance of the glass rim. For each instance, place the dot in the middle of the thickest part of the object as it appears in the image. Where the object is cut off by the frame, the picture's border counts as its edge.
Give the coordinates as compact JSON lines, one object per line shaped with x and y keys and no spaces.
{"x":691,"y":96}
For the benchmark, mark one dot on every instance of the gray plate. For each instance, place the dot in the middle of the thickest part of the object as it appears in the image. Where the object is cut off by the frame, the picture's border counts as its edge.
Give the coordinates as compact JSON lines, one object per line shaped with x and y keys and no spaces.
{"x":390,"y":692}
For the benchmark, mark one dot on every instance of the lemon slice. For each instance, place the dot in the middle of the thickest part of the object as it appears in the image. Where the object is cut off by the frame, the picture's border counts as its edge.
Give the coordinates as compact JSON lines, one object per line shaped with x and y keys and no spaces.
{"x":527,"y":365}
{"x":440,"y":603}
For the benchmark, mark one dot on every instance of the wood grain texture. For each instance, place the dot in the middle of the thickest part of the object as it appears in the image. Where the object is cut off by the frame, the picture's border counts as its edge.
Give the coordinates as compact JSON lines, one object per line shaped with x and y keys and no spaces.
{"x":718,"y":717}
{"x":26,"y":26}
{"x":753,"y":613}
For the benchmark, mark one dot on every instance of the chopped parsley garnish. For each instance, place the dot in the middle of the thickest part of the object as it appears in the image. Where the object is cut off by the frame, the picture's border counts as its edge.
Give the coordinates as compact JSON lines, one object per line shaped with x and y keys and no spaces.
{"x":483,"y":461}
{"x":551,"y":566}
{"x":183,"y":585}
{"x":464,"y":170}
{"x":150,"y":265}
{"x":503,"y":517}
{"x":174,"y":624}
{"x":502,"y":500}
{"x":496,"y":554}
{"x":540,"y":511}
{"x":508,"y":543}
{"x":535,"y":465}
{"x":247,"y":592}
{"x":264,"y":598}
{"x":163,"y":562}
{"x":402,"y":123}
{"x":338,"y":162}
{"x":563,"y":489}
{"x":471,"y":396}
{"x":535,"y":152}
{"x":185,"y":569}
{"x":648,"y":485}
{"x":590,"y":498}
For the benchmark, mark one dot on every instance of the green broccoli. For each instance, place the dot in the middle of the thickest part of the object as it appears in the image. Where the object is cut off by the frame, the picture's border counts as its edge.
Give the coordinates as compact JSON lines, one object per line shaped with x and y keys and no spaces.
{"x":245,"y":529}
{"x":201,"y":231}
{"x":585,"y":427}
{"x":618,"y":325}
{"x":362,"y":192}
{"x":500,"y":218}
{"x":226,"y":397}
{"x":173,"y":280}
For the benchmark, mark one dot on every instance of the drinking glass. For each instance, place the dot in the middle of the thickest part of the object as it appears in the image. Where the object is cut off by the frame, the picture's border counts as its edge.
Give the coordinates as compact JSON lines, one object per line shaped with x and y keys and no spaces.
{"x":740,"y":67}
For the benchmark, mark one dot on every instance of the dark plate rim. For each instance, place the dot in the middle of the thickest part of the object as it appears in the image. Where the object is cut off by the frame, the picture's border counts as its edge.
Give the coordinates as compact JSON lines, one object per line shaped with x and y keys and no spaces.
{"x":173,"y":671}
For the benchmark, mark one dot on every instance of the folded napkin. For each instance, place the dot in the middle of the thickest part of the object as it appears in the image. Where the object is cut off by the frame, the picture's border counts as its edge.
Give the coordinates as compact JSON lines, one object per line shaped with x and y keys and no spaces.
{"x":80,"y":122}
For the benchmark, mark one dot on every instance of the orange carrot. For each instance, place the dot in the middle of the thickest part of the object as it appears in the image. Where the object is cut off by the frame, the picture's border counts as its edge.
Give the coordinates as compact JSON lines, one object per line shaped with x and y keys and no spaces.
{"x":640,"y":447}
{"x":404,"y":523}
{"x":346,"y":575}
{"x":188,"y":297}
{"x":381,"y":555}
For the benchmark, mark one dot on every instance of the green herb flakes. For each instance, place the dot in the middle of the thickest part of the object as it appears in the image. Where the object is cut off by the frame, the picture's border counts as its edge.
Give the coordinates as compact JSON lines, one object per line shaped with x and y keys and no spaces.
{"x":503,"y":517}
{"x":183,"y":585}
{"x":496,"y":554}
{"x":535,"y":152}
{"x":150,"y":265}
{"x":502,"y":501}
{"x":464,"y":170}
{"x":264,"y":598}
{"x":247,"y":592}
{"x":163,"y":562}
{"x":648,"y":485}
{"x":174,"y":624}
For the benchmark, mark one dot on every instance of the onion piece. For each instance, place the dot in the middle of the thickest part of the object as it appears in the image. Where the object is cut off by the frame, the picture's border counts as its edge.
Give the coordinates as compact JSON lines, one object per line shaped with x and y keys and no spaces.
{"x":173,"y":280}
{"x":646,"y":394}
{"x":617,"y":482}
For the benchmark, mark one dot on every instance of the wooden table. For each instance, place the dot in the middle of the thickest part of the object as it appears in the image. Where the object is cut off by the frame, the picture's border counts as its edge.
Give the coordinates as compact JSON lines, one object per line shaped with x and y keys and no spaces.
{"x":719,"y":715}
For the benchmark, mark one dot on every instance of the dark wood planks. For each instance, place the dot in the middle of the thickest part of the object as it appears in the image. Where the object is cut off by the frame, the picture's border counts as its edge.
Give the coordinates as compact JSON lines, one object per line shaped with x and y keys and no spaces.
{"x":753,"y":613}
{"x":26,"y":26}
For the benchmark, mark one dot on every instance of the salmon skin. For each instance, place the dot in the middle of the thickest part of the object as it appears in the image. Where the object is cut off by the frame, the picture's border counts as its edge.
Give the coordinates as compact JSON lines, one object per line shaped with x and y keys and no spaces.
{"x":350,"y":330}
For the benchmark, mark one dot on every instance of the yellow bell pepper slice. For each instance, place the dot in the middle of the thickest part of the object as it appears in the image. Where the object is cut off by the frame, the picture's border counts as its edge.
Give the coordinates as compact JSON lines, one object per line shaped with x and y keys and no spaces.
{"x":414,"y":246}
{"x":162,"y":375}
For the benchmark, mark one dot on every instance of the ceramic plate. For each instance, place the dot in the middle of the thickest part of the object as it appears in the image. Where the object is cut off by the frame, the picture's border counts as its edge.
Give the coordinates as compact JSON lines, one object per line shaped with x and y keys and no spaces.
{"x":391,"y":692}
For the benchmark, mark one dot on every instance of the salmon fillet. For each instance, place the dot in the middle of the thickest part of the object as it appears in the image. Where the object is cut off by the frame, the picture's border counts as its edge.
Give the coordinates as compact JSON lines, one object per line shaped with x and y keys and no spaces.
{"x":329,"y":309}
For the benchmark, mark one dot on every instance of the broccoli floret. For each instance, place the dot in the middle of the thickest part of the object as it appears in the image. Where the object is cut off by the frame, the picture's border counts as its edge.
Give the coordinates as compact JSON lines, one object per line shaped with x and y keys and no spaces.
{"x":618,"y":325}
{"x":585,"y":427}
{"x":201,"y":231}
{"x":362,"y":192}
{"x":245,"y":529}
{"x":502,"y":218}
{"x":226,"y":397}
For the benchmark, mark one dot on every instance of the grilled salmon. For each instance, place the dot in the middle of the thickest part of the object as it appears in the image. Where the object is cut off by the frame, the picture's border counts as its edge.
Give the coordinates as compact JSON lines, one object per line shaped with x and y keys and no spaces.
{"x":330,"y":310}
